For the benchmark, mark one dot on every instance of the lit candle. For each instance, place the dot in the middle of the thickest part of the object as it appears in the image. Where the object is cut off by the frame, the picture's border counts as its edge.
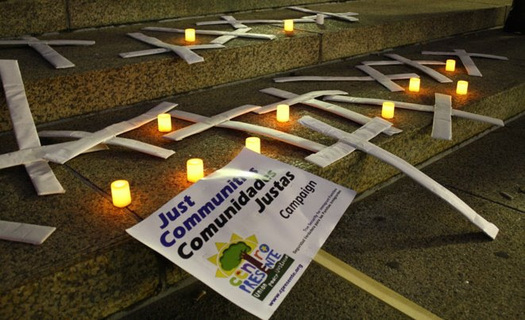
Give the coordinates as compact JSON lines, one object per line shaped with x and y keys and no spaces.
{"x":164,"y":122}
{"x":189,"y":35}
{"x":120,"y":193}
{"x":254,"y":144}
{"x":462,"y":87}
{"x":451,"y":65}
{"x":413,"y":86}
{"x":288,"y":25}
{"x":283,"y":113}
{"x":388,"y":110}
{"x":195,"y":169}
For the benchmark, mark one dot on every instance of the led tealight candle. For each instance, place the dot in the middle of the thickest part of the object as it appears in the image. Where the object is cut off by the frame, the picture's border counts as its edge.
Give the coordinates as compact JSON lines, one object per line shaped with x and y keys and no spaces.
{"x":388,"y":110}
{"x":451,"y":65}
{"x":164,"y":122}
{"x":288,"y":26}
{"x":462,"y":87}
{"x":189,"y":35}
{"x":254,"y":144}
{"x":413,"y":85}
{"x":283,"y":113}
{"x":195,"y":169}
{"x":120,"y":193}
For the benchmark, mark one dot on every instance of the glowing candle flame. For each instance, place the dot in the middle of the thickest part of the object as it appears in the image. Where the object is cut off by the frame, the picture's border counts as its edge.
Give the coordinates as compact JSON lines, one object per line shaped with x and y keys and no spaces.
{"x":254,"y":144}
{"x":164,"y":122}
{"x":413,"y":86}
{"x":451,"y":65}
{"x":195,"y":169}
{"x":283,"y":113}
{"x":189,"y":35}
{"x":120,"y":193}
{"x":288,"y":26}
{"x":388,"y":110}
{"x":462,"y":87}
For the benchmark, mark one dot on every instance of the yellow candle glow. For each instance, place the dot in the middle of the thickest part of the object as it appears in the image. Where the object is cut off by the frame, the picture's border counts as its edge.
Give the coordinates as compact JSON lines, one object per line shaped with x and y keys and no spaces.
{"x":288,"y":25}
{"x":283,"y":113}
{"x":413,"y":86}
{"x":462,"y":87}
{"x":120,"y":193}
{"x":195,"y":169}
{"x":189,"y":35}
{"x":164,"y":122}
{"x":388,"y":110}
{"x":254,"y":144}
{"x":451,"y":65}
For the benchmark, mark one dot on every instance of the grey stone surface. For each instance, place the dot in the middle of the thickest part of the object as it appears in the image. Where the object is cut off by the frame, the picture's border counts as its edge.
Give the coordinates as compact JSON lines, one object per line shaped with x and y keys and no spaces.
{"x":20,"y":17}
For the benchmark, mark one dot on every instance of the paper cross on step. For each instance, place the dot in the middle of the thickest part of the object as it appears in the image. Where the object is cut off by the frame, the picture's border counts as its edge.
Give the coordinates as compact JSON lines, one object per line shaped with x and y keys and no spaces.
{"x":328,"y":107}
{"x":185,"y":52}
{"x":44,"y":48}
{"x":466,"y":59}
{"x":225,"y":35}
{"x":356,"y":140}
{"x":346,"y":16}
{"x":442,"y":124}
{"x":241,"y":24}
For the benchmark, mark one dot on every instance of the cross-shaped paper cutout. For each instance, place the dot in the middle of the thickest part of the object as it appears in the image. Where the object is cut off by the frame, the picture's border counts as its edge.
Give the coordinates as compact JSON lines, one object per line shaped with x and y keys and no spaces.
{"x":442,"y":109}
{"x":242,"y":24}
{"x":44,"y":48}
{"x":328,"y":107}
{"x":346,"y":16}
{"x":466,"y":59}
{"x":185,"y":52}
{"x":355,"y":140}
{"x":239,"y":33}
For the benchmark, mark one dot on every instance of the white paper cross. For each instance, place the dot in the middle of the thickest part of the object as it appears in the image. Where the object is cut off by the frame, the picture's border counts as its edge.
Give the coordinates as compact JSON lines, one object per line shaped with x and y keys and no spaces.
{"x":442,"y":109}
{"x":466,"y":59}
{"x":356,"y":141}
{"x":328,"y":107}
{"x":185,"y":52}
{"x":242,"y":24}
{"x":44,"y":48}
{"x":346,"y":16}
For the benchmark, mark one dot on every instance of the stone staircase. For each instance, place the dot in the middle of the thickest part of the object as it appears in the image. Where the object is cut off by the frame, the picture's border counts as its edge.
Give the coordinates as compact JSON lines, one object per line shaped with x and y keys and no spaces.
{"x":90,"y":268}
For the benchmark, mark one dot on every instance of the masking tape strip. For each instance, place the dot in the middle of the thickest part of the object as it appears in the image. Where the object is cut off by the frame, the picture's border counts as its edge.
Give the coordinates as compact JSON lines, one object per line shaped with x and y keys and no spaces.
{"x":442,"y":122}
{"x":381,"y":78}
{"x":24,"y":232}
{"x":430,"y":72}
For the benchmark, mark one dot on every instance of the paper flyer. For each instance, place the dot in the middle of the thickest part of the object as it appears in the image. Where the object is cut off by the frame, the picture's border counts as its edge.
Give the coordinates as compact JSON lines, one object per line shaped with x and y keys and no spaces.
{"x":249,"y":230}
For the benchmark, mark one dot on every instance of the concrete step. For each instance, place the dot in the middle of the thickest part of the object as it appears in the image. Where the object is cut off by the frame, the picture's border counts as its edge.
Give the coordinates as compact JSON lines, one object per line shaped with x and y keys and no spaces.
{"x":102,"y":80}
{"x":90,"y":268}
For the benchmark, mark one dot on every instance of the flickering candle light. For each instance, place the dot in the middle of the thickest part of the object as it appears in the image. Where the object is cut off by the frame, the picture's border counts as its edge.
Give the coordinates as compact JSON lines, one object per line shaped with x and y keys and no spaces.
{"x":254,"y":144}
{"x":164,"y":122}
{"x":195,"y":169}
{"x":120,"y":193}
{"x":462,"y":87}
{"x":283,"y":113}
{"x":388,"y":110}
{"x":450,"y":65}
{"x":413,"y":85}
{"x":288,"y":25}
{"x":189,"y":35}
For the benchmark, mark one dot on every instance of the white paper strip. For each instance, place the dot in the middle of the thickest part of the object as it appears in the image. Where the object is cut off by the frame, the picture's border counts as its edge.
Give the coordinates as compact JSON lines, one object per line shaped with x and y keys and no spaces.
{"x":209,"y":122}
{"x":394,"y":63}
{"x":298,"y":99}
{"x":240,"y":24}
{"x":24,"y":232}
{"x":430,"y":72}
{"x":442,"y":123}
{"x":226,"y":38}
{"x":75,"y":148}
{"x":381,"y":78}
{"x":116,"y":141}
{"x":347,"y":16}
{"x":490,"y":229}
{"x":328,"y":107}
{"x":216,"y":33}
{"x":400,"y":76}
{"x":466,"y":59}
{"x":255,"y":129}
{"x":149,"y":52}
{"x":41,"y":174}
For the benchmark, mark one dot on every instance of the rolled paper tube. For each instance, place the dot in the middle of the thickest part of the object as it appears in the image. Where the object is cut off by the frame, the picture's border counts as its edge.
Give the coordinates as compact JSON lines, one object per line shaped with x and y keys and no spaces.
{"x":462,"y":87}
{"x":283,"y":113}
{"x":164,"y":122}
{"x":413,"y":86}
{"x":120,"y":193}
{"x":195,"y":169}
{"x":254,"y":144}
{"x":450,"y":65}
{"x":189,"y":35}
{"x":288,"y":25}
{"x":387,"y":111}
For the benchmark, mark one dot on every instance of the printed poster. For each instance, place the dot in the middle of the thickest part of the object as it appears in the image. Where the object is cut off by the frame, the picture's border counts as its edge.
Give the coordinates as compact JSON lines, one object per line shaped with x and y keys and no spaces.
{"x":249,"y":230}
